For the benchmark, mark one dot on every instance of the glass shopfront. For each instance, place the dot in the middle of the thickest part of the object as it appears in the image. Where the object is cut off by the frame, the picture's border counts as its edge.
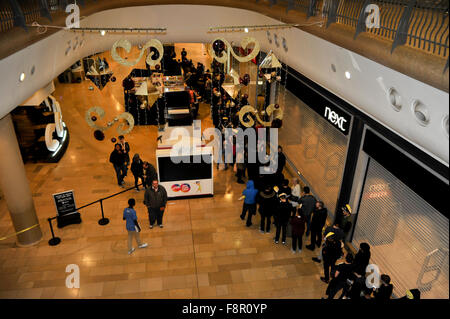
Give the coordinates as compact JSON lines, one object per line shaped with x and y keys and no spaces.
{"x":313,"y":141}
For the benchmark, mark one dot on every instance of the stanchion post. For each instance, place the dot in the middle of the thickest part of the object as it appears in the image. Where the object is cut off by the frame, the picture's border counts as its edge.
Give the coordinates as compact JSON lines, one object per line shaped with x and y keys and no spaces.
{"x":103,"y":221}
{"x":54,"y":240}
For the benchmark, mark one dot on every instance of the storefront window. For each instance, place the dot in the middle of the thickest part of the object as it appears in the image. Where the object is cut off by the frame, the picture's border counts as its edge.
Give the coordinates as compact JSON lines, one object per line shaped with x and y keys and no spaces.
{"x":316,"y":148}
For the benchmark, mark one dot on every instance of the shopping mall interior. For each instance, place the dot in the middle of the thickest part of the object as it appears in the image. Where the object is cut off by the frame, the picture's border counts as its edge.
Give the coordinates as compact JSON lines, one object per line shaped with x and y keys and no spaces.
{"x":347,"y":99}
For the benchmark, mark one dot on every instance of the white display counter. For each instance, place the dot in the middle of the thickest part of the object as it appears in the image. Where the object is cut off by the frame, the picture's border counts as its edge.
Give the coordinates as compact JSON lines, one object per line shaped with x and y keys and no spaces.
{"x":192,"y":177}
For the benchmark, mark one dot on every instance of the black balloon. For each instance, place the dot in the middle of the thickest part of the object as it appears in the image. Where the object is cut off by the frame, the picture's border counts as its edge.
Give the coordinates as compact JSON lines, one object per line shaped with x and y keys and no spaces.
{"x":218,"y":46}
{"x":99,"y":135}
{"x":155,"y":55}
{"x":277,"y":106}
{"x":94,"y":118}
{"x":113,"y":79}
{"x":277,"y":123}
{"x":113,"y":140}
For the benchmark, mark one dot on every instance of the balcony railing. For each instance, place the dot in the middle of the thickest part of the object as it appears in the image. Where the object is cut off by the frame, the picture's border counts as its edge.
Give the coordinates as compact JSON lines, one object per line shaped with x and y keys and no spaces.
{"x":420,"y":24}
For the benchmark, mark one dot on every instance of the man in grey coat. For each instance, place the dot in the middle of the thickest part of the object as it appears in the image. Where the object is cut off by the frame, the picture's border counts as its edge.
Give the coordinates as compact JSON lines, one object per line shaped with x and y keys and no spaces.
{"x":155,"y":199}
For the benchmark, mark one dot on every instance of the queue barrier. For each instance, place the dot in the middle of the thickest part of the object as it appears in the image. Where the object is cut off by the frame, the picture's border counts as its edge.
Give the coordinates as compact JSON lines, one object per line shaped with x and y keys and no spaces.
{"x":102,"y":221}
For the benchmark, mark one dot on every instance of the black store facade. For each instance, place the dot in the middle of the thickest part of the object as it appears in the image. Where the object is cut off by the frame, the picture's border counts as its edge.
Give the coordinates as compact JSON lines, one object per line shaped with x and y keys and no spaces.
{"x":396,"y":191}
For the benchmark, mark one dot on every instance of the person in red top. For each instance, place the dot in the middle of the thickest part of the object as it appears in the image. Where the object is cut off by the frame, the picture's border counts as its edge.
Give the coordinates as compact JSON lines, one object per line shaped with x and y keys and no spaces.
{"x":298,"y":223}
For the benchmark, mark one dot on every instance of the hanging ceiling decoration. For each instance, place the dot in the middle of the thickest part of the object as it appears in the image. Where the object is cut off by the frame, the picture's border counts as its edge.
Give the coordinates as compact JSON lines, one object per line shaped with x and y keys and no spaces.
{"x":248,"y":121}
{"x":155,"y":56}
{"x":91,"y":119}
{"x":218,"y":49}
{"x":270,"y":62}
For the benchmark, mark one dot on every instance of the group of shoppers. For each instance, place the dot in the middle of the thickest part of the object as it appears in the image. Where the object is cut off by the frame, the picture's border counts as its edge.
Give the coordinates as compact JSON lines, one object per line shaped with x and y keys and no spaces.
{"x":120,"y":158}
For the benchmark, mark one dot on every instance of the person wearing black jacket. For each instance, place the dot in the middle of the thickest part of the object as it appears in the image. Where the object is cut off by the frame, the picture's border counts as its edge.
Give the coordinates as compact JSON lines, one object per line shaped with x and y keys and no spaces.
{"x":137,"y":168}
{"x":362,"y":259}
{"x":342,"y":273}
{"x":117,"y":158}
{"x":318,"y":220}
{"x":331,"y":252}
{"x":150,"y":174}
{"x":281,"y":164}
{"x":282,"y":218}
{"x":267,"y":200}
{"x":384,"y":292}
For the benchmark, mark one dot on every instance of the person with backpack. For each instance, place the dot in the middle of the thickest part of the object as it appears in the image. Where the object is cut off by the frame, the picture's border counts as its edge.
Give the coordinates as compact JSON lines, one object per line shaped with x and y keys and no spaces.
{"x":132,"y":226}
{"x":267,"y":200}
{"x":249,"y":205}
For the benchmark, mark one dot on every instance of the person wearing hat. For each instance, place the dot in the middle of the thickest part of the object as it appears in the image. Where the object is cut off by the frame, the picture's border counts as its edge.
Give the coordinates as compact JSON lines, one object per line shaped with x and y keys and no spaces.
{"x":331,"y":252}
{"x":282,"y":218}
{"x":411,"y":294}
{"x":345,"y":219}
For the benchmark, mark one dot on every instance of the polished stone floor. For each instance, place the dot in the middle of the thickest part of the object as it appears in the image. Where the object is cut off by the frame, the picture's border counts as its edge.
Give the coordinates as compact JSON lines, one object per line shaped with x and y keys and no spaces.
{"x":204,"y":250}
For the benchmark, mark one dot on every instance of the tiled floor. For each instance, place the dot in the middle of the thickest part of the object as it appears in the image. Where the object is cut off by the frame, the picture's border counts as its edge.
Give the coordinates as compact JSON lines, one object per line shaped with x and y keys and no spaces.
{"x":204,"y":250}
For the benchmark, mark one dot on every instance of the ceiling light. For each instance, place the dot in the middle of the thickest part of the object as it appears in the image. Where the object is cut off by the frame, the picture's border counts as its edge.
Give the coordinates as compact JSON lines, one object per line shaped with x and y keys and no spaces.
{"x":22,"y":77}
{"x":102,"y":33}
{"x":348,"y":75}
{"x":246,"y":30}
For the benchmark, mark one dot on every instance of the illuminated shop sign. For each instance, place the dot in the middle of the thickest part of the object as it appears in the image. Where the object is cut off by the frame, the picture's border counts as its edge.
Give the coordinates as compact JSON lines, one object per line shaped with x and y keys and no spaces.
{"x":378,"y":191}
{"x":336,"y":119}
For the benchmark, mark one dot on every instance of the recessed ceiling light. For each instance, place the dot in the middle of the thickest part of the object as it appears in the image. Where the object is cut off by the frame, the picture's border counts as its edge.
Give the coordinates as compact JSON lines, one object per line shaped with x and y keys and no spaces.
{"x":246,"y":30}
{"x":348,"y":75}
{"x":22,"y":77}
{"x":102,"y":32}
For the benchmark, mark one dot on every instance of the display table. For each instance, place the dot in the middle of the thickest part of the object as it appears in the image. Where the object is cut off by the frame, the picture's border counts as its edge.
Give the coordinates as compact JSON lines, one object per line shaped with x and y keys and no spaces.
{"x":187,"y":173}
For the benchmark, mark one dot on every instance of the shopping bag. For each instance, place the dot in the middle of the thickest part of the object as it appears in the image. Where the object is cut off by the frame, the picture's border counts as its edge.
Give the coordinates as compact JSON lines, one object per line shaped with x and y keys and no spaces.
{"x":137,"y":227}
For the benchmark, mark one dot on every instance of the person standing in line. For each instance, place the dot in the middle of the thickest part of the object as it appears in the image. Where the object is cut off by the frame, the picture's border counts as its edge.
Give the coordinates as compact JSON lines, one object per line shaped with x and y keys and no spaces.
{"x":384,"y":292}
{"x":137,"y":168}
{"x":362,"y":259}
{"x":296,"y":192}
{"x":155,"y":199}
{"x":281,"y":164}
{"x":318,"y":220}
{"x":117,"y":158}
{"x":298,"y":229}
{"x":267,"y":205}
{"x":249,"y":206}
{"x":331,"y":252}
{"x":282,"y":218}
{"x":125,"y":149}
{"x":308,"y":202}
{"x":338,"y":235}
{"x":150,"y":174}
{"x":341,"y":275}
{"x":240,"y":167}
{"x":284,"y":188}
{"x":129,"y":215}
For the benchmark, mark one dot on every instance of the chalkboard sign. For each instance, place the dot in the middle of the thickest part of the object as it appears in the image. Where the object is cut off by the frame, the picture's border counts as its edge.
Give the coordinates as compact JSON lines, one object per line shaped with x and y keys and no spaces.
{"x":66,"y":209}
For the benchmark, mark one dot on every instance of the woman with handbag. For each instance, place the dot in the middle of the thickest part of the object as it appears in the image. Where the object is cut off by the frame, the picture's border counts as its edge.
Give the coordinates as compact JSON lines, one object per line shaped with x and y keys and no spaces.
{"x":129,"y":214}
